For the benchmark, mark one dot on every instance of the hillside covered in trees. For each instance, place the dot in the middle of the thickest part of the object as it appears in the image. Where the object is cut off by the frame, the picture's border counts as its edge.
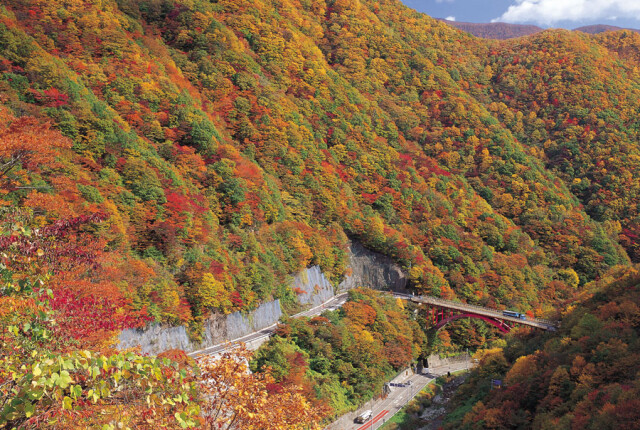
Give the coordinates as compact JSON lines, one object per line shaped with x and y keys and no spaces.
{"x":343,"y":357}
{"x":585,"y":376}
{"x":161,"y":160}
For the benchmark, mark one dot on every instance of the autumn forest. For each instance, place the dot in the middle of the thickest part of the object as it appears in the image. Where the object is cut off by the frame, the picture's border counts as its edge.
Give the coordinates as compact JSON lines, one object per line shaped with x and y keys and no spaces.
{"x":163,"y":161}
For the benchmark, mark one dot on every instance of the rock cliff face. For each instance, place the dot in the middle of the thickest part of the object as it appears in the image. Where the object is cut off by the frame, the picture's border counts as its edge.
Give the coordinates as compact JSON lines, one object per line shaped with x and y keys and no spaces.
{"x":312,"y":286}
{"x":155,"y":339}
{"x":217,"y":329}
{"x":366,"y":269}
{"x":372,"y":270}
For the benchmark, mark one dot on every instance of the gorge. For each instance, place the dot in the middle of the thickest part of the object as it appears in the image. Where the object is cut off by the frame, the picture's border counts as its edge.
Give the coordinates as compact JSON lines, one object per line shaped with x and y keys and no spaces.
{"x":174,"y":173}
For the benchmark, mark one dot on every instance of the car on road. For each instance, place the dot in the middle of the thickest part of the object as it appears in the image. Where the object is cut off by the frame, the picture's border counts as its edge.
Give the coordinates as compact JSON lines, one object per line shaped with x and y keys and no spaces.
{"x":364,"y":417}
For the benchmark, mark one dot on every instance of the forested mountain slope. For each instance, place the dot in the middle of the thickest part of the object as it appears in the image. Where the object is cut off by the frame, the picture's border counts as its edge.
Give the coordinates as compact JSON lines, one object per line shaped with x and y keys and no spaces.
{"x":584,"y":376}
{"x":232,"y":143}
{"x":164,"y":159}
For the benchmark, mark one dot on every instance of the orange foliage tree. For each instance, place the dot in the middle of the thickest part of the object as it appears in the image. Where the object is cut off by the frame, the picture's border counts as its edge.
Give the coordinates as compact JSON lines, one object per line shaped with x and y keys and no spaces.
{"x":26,"y":144}
{"x":236,"y":399}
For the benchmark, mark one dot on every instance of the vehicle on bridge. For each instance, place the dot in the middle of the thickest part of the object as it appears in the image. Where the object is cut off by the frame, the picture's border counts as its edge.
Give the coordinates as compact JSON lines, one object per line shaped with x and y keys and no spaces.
{"x":442,"y":311}
{"x":514,"y":314}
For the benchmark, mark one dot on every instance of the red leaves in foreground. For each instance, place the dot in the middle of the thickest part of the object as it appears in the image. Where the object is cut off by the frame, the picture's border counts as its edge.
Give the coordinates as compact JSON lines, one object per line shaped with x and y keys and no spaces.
{"x":89,"y":319}
{"x":53,"y":243}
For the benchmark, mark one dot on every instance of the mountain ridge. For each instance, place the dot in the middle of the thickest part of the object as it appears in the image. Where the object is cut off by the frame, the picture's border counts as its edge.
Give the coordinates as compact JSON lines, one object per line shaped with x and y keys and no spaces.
{"x":503,"y":30}
{"x":163,"y":160}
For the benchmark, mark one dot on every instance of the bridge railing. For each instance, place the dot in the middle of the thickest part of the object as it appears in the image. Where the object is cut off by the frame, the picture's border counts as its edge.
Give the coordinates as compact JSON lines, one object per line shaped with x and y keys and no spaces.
{"x":470,"y":307}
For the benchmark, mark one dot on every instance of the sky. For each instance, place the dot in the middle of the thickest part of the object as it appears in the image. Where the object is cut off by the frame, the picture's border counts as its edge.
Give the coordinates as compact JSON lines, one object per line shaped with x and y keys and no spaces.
{"x":544,"y":13}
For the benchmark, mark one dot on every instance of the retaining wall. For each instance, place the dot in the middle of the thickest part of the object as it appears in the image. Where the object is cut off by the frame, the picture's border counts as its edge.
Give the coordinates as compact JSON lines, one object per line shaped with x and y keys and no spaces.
{"x":217,"y":329}
{"x":366,"y":269}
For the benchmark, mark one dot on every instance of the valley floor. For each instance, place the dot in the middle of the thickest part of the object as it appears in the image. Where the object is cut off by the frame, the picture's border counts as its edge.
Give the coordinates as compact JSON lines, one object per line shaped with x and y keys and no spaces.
{"x":384,"y":409}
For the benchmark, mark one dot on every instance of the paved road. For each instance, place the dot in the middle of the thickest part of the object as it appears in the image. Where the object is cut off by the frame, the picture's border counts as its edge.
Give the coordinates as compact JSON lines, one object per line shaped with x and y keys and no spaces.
{"x":331,"y":304}
{"x":253,"y":340}
{"x":384,"y":409}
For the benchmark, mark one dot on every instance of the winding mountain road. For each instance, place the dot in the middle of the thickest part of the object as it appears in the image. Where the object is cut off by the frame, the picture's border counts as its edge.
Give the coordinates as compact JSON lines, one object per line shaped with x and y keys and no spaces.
{"x":255,"y":339}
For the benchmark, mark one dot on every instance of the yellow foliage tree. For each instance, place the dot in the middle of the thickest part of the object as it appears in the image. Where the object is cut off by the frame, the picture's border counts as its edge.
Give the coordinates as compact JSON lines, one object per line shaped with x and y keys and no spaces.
{"x":524,"y":367}
{"x":213,"y":293}
{"x":239,"y":399}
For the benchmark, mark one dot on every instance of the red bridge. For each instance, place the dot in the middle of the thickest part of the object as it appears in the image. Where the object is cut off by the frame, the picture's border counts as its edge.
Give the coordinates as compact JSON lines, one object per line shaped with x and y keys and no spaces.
{"x":444,"y":311}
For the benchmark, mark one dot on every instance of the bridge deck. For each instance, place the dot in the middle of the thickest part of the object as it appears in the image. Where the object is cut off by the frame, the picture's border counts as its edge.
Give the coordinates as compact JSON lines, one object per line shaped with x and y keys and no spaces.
{"x":479,"y":310}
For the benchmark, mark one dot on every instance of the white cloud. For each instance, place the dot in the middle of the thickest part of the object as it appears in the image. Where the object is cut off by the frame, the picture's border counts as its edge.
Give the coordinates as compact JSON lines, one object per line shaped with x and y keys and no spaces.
{"x":444,"y":1}
{"x":547,"y":12}
{"x":450,"y":18}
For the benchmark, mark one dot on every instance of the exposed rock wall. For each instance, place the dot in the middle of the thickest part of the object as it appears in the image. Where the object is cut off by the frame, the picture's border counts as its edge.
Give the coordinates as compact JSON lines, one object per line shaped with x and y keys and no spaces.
{"x":312,"y":286}
{"x":155,"y":339}
{"x":239,"y":324}
{"x":373,"y":270}
{"x":436,"y":361}
{"x":366,"y":269}
{"x":217,"y":329}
